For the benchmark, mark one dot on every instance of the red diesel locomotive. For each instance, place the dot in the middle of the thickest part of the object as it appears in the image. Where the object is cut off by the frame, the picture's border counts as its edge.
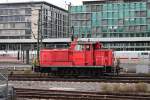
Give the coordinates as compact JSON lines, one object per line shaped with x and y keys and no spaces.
{"x":81,"y":58}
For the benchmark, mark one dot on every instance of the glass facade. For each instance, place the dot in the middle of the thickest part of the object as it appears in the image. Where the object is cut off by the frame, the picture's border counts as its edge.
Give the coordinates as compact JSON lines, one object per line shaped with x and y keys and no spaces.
{"x":111,"y":19}
{"x":19,"y":20}
{"x":55,"y":22}
{"x":15,"y":21}
{"x":23,"y":20}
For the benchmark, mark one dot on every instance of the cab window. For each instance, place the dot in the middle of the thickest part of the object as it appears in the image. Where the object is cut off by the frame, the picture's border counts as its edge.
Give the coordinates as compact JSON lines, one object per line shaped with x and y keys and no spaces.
{"x":79,"y":47}
{"x":87,"y":47}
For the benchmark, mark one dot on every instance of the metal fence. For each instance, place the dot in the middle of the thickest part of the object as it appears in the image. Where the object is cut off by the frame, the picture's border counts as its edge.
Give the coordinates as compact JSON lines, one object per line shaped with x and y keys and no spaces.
{"x":3,"y":84}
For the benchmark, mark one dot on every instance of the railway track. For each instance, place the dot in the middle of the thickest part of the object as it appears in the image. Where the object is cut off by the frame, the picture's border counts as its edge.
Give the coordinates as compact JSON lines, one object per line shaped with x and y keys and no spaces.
{"x":76,"y":95}
{"x":115,"y":79}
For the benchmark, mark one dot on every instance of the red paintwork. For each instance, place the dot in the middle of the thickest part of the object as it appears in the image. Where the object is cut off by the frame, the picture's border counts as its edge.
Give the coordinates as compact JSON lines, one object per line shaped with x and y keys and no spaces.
{"x":91,"y":54}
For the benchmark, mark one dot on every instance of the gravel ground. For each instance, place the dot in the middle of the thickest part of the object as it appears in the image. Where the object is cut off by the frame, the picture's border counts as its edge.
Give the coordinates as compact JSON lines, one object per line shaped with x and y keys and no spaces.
{"x":74,"y":86}
{"x":17,"y":66}
{"x":32,"y":99}
{"x":78,"y":86}
{"x":70,"y":86}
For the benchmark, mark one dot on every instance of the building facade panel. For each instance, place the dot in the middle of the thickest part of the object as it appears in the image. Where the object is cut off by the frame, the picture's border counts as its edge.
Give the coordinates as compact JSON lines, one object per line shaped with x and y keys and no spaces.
{"x":111,"y":19}
{"x":23,"y":20}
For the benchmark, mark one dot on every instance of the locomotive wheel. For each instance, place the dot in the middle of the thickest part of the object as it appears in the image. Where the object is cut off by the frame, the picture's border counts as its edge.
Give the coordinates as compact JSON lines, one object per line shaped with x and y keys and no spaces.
{"x":76,"y":71}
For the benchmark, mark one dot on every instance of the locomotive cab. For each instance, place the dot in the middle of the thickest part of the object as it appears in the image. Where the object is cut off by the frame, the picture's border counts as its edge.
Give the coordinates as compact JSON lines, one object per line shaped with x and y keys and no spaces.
{"x":83,"y":53}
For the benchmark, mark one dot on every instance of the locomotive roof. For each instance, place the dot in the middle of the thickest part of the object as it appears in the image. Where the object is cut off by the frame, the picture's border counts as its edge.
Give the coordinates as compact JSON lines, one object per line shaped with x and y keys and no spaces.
{"x":86,"y":42}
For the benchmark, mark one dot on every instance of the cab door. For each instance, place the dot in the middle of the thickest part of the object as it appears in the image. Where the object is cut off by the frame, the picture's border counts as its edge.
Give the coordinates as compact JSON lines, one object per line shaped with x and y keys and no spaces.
{"x":79,"y":56}
{"x":88,"y":55}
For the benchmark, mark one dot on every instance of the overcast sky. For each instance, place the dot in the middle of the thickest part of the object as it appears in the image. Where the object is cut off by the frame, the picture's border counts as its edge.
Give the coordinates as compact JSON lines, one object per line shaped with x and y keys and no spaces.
{"x":60,"y":3}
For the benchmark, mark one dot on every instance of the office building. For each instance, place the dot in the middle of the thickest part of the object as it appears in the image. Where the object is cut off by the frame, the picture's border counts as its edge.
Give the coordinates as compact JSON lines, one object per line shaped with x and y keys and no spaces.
{"x":21,"y":22}
{"x":118,"y":24}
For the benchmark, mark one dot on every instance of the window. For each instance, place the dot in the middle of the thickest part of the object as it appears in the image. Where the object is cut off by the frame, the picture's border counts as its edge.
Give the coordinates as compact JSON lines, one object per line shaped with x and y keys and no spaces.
{"x":2,"y":47}
{"x":143,"y":27}
{"x":131,"y":28}
{"x":120,"y":22}
{"x":88,"y":16}
{"x":148,"y":5}
{"x":144,"y":53}
{"x":126,"y":28}
{"x":104,"y":35}
{"x":143,"y":14}
{"x":104,"y":28}
{"x":88,"y":35}
{"x":79,"y":47}
{"x":12,"y":25}
{"x":98,"y":29}
{"x":137,"y":13}
{"x":93,"y":30}
{"x":28,"y":31}
{"x":93,"y":8}
{"x":104,"y":22}
{"x":5,"y":26}
{"x":120,"y":35}
{"x":143,"y":20}
{"x":104,"y":14}
{"x":131,"y":34}
{"x":99,"y":8}
{"x":87,"y":47}
{"x":137,"y":28}
{"x":88,"y":8}
{"x":28,"y":25}
{"x":140,"y":13}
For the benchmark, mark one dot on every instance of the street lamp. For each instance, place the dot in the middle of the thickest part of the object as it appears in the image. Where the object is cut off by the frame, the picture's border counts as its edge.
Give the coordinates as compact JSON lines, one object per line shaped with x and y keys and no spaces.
{"x":39,"y":31}
{"x":110,"y":30}
{"x":72,"y":30}
{"x":39,"y":34}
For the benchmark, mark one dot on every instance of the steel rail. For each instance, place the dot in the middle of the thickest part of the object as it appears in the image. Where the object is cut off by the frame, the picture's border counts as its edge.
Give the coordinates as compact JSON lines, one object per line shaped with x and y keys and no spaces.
{"x":73,"y":95}
{"x":114,"y":79}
